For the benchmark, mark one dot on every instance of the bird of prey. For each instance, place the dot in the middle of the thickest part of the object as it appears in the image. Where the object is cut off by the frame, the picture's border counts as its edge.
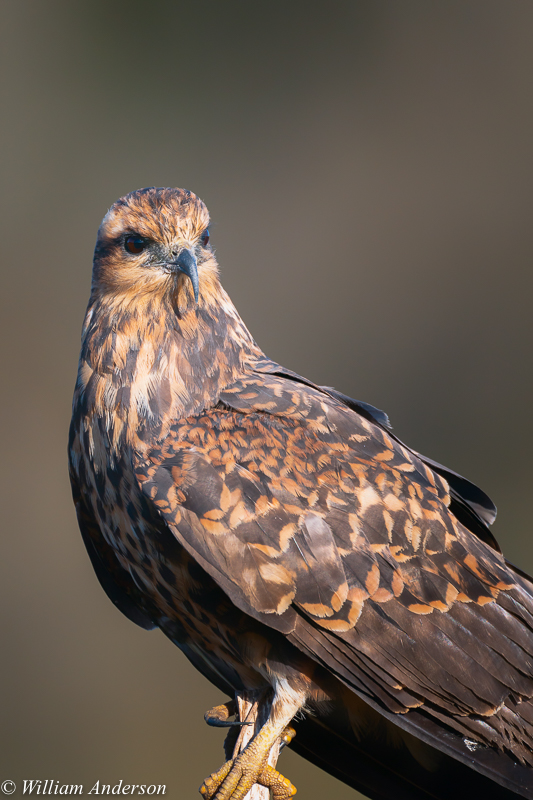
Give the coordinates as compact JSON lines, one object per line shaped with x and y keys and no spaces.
{"x":282,"y":536}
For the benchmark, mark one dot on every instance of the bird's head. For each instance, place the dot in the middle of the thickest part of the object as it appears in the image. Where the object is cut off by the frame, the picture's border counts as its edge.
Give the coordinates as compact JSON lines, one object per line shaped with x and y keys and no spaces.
{"x":153,"y":243}
{"x":161,"y":336}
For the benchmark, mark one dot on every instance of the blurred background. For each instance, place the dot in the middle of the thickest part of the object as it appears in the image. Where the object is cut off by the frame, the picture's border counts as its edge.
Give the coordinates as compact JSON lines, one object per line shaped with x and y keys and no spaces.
{"x":368,"y":167}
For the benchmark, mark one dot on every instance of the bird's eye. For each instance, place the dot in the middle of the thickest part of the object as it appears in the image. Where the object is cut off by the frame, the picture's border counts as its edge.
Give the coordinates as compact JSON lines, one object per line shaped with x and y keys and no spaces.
{"x":135,"y":244}
{"x":204,"y":238}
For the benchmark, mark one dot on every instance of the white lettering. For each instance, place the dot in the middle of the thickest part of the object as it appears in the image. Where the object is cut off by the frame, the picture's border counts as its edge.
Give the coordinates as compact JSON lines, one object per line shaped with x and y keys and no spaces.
{"x":29,"y":786}
{"x":104,"y":788}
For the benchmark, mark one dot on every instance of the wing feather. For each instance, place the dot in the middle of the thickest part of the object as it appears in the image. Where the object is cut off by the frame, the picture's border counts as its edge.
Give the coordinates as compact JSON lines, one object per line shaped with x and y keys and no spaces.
{"x":317,"y":521}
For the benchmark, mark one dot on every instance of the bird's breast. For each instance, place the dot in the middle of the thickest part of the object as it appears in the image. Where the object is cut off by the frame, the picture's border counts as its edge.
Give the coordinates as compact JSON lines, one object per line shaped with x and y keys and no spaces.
{"x":141,"y":373}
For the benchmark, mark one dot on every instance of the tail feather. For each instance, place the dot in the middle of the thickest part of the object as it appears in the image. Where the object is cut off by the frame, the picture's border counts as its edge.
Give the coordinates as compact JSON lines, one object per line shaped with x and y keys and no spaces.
{"x":408,"y":770}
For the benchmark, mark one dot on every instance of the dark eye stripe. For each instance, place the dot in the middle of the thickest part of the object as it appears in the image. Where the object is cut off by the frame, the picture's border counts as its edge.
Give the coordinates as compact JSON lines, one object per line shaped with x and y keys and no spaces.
{"x":135,"y":244}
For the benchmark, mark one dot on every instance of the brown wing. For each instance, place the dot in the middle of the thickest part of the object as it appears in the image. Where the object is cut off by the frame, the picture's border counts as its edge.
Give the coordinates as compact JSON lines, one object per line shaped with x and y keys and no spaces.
{"x":316,"y":521}
{"x":467,"y":501}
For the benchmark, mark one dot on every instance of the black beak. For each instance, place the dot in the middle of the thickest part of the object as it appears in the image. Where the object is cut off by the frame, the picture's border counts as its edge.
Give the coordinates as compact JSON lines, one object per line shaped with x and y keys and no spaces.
{"x":186,"y":263}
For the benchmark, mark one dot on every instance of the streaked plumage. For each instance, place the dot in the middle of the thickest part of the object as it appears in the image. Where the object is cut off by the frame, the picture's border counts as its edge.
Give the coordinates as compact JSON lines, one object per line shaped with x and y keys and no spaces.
{"x":282,"y":536}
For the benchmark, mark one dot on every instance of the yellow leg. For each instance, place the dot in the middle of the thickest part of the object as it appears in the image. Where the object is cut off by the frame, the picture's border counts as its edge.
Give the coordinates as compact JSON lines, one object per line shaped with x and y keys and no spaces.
{"x":234,"y":780}
{"x":237,"y":776}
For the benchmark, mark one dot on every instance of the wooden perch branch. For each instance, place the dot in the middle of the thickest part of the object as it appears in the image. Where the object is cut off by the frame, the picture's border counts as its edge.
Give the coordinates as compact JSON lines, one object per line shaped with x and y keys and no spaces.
{"x":254,"y":707}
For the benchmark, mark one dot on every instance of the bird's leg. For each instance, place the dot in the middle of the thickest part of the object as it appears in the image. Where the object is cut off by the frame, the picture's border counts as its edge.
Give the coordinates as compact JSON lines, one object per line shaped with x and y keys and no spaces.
{"x":253,"y":706}
{"x":257,"y":706}
{"x":253,"y":762}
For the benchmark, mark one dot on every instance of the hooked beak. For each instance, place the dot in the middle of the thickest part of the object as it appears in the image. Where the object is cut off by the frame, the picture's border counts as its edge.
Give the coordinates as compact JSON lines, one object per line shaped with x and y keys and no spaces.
{"x":186,"y":263}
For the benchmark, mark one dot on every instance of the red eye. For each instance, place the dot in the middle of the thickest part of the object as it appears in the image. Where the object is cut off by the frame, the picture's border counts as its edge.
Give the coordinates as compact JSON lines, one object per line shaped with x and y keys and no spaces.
{"x":204,"y":238}
{"x":135,"y":244}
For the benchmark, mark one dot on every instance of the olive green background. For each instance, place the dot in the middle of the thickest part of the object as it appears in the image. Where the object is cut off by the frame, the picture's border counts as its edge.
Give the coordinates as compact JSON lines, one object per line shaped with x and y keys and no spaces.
{"x":368,"y":167}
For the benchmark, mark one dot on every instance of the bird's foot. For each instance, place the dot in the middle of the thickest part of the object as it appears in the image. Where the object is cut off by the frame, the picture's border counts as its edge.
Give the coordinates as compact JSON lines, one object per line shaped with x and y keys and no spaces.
{"x":218,"y":716}
{"x":237,"y":776}
{"x":235,"y":779}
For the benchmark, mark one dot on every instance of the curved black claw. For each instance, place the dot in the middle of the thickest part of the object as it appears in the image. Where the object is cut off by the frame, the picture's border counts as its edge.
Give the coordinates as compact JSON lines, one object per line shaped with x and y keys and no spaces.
{"x":218,"y":716}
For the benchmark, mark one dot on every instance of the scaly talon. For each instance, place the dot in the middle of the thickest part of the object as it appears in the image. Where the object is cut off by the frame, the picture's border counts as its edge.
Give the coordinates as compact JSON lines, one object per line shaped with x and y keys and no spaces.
{"x":287,"y":736}
{"x":281,"y":788}
{"x":211,"y":784}
{"x":235,"y":779}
